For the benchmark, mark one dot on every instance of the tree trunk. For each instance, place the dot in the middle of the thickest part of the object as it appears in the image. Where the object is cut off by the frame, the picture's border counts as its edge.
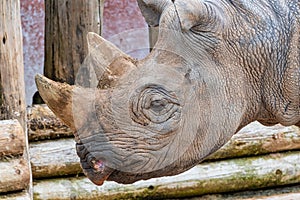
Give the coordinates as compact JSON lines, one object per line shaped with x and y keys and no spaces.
{"x":67,"y":25}
{"x":207,"y":178}
{"x":12,"y":92}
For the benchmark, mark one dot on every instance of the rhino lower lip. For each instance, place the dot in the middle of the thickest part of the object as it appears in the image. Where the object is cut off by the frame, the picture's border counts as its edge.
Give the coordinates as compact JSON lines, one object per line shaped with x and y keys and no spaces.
{"x":99,"y":182}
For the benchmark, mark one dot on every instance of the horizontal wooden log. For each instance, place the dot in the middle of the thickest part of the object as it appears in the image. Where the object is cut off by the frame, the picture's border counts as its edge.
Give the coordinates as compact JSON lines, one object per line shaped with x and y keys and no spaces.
{"x":55,"y":158}
{"x":292,"y":196}
{"x":16,"y":196}
{"x":43,"y":124}
{"x":14,"y":175}
{"x":207,"y":178}
{"x":277,"y":193}
{"x":256,"y":139}
{"x":12,"y":138}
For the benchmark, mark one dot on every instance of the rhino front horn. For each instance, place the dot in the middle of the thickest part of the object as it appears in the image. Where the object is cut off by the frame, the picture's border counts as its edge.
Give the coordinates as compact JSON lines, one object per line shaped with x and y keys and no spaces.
{"x":58,"y":96}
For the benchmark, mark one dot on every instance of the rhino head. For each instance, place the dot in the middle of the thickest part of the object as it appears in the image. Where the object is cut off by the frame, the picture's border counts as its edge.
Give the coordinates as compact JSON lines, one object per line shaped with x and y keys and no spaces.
{"x":160,"y":116}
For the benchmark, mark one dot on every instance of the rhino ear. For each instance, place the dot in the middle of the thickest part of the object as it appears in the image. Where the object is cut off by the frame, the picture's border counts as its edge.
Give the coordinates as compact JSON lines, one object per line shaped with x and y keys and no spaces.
{"x":152,"y":9}
{"x":203,"y":15}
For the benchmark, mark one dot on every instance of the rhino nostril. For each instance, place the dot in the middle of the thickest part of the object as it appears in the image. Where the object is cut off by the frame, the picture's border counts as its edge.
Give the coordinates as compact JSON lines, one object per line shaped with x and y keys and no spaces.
{"x":98,"y":165}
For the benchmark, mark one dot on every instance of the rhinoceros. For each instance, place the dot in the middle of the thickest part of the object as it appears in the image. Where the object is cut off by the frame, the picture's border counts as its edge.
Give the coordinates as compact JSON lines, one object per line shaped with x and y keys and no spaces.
{"x":216,"y":67}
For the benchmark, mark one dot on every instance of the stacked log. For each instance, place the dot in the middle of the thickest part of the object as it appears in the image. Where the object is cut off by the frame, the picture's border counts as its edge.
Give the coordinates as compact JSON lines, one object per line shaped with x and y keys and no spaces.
{"x":282,"y":193}
{"x":43,"y":124}
{"x":12,"y":138}
{"x":208,"y":178}
{"x":257,"y":157}
{"x":17,"y":196}
{"x":15,"y":171}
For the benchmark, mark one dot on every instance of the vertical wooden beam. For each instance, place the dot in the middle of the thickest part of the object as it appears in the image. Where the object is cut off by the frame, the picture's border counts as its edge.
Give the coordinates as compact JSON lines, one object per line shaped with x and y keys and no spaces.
{"x":12,"y":85}
{"x":67,"y":24}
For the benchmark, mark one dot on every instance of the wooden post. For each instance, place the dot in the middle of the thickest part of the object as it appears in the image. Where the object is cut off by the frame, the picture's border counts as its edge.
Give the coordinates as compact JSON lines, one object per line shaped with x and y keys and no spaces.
{"x":12,"y":85}
{"x":67,"y":24}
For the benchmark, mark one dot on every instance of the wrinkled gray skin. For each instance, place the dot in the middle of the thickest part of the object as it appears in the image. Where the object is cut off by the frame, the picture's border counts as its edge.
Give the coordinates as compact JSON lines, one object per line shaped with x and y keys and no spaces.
{"x":217,"y":66}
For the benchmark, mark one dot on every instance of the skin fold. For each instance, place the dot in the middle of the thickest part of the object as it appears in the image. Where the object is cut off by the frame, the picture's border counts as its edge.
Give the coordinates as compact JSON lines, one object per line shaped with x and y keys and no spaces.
{"x":216,"y":67}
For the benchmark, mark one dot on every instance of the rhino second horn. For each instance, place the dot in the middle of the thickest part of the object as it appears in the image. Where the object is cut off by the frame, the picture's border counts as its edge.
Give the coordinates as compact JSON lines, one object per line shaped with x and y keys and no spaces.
{"x":102,"y":51}
{"x":58,"y":97}
{"x":109,"y":62}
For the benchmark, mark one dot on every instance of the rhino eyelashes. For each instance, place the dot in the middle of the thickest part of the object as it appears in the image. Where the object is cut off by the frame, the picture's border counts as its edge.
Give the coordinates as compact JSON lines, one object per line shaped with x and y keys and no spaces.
{"x":154,"y":105}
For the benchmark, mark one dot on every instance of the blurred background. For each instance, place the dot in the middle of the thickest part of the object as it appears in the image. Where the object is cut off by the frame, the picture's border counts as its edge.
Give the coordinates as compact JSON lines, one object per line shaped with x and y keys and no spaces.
{"x":123,"y":25}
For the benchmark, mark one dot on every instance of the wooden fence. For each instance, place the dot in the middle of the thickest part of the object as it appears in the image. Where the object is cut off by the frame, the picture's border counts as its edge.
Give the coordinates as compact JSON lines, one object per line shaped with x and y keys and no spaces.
{"x":257,"y":157}
{"x":258,"y":162}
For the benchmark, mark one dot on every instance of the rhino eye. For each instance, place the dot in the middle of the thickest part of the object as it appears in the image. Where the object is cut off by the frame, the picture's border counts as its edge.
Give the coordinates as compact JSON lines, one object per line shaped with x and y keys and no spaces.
{"x":158,"y":105}
{"x":155,"y":105}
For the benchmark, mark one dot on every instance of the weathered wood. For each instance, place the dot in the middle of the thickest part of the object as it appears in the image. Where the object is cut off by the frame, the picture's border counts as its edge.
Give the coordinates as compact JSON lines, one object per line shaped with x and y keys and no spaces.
{"x":43,"y":124}
{"x":277,"y":193}
{"x":12,"y":85}
{"x":291,"y":196}
{"x":279,"y":197}
{"x":256,"y":139}
{"x":16,"y":196}
{"x":12,"y":138}
{"x":217,"y":177}
{"x":55,"y":158}
{"x":12,"y":90}
{"x":14,"y":175}
{"x":67,"y":25}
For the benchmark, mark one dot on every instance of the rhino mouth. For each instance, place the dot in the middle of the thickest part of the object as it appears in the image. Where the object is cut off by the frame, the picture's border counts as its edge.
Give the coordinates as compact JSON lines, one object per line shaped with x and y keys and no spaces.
{"x":94,"y":168}
{"x":97,"y":177}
